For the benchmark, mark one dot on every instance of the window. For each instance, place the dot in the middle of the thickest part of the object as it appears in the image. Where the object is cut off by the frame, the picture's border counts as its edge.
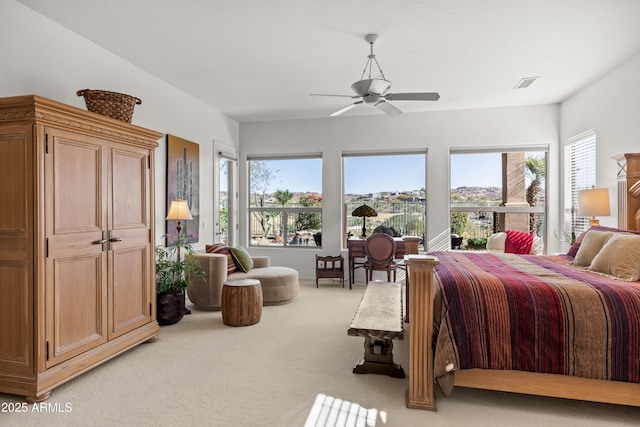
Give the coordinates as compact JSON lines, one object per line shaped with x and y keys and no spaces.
{"x":225,"y":195}
{"x":285,"y":201}
{"x":393,"y":185}
{"x":580,"y":174}
{"x":494,"y":190}
{"x":224,"y":169}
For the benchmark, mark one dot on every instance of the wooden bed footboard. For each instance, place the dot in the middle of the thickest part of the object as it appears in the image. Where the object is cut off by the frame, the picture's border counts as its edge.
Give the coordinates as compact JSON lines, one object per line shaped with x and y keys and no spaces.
{"x":420,"y":308}
{"x":551,"y":385}
{"x":420,"y":395}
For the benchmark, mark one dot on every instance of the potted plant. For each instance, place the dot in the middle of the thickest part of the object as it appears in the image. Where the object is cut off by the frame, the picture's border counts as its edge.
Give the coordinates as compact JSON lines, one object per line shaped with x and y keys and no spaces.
{"x":173,"y":275}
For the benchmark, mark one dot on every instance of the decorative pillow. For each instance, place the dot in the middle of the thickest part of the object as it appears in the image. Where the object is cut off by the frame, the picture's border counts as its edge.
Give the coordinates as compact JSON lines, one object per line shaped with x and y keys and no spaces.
{"x":573,"y":250}
{"x":242,"y":258}
{"x":620,"y":256}
{"x":591,"y":244}
{"x":496,"y":241}
{"x":222,"y":249}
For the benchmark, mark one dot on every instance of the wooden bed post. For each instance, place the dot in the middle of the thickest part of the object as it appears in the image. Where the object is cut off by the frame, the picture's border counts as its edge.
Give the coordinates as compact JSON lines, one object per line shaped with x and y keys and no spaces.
{"x":420,"y":270}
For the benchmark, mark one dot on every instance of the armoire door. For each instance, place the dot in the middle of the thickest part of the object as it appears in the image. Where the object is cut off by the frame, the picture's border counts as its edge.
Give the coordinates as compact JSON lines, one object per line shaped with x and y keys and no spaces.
{"x":16,"y":249}
{"x":76,"y":257}
{"x":130,"y":251}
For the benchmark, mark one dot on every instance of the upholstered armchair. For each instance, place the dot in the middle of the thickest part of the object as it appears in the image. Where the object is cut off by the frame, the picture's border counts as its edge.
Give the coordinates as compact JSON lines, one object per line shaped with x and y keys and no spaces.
{"x":279,"y":284}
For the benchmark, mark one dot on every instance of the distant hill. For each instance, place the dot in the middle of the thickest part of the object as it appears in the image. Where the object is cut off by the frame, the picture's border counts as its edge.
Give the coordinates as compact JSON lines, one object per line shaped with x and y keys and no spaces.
{"x":481,"y":196}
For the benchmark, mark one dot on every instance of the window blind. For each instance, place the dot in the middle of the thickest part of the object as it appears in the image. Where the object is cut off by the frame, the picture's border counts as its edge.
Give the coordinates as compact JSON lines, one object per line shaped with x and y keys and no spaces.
{"x":582,"y":158}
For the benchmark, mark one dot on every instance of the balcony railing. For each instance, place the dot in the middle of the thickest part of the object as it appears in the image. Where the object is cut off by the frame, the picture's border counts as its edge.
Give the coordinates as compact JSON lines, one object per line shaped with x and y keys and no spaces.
{"x":302,"y":226}
{"x":285,"y":226}
{"x":484,"y":221}
{"x":403,"y":218}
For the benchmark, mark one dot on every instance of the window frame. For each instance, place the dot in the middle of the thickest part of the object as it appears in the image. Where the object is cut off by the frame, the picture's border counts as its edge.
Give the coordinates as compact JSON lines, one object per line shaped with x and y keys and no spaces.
{"x":227,"y":153}
{"x":382,"y":153}
{"x":533,"y":148}
{"x":284,"y":212}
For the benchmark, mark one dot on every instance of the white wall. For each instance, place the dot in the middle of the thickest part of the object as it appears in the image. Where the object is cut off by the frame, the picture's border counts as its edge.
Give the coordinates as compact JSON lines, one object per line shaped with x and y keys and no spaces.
{"x":43,"y":58}
{"x":611,"y":106}
{"x":435,"y":132}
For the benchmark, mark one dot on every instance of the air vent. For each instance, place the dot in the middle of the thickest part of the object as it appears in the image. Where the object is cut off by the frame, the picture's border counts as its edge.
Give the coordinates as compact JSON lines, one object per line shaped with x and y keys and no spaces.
{"x":525,"y":82}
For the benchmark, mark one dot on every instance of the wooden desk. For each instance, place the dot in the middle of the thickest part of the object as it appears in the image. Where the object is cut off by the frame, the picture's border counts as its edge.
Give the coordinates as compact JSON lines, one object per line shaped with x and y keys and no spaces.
{"x":404,"y":246}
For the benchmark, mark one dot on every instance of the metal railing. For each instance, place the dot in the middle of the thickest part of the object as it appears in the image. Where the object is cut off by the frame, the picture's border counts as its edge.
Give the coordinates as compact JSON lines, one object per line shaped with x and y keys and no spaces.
{"x":285,"y":226}
{"x":486,"y":220}
{"x":403,"y":218}
{"x":289,"y":226}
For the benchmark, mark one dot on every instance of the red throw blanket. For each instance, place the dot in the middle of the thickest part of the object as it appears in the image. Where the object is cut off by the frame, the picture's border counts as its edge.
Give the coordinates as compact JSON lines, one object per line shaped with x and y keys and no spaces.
{"x":518,"y":242}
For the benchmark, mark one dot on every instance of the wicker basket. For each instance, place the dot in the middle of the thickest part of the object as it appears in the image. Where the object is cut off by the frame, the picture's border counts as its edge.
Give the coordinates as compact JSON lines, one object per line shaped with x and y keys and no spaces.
{"x":111,"y":104}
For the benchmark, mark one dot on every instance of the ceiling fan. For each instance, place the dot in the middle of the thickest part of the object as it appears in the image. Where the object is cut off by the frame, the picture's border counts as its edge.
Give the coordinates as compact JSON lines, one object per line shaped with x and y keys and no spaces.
{"x":375,"y":90}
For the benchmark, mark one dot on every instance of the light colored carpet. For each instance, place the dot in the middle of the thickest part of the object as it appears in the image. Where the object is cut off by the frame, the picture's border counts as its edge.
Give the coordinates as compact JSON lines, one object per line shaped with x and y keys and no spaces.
{"x":203,"y":373}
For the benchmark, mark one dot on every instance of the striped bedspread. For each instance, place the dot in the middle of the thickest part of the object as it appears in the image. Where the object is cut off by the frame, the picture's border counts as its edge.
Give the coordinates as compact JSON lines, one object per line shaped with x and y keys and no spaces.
{"x":534,"y":313}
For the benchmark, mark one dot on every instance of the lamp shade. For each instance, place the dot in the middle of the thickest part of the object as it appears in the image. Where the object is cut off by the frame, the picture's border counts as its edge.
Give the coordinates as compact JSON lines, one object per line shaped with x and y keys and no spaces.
{"x":594,"y":202}
{"x":179,"y":210}
{"x":364,"y":211}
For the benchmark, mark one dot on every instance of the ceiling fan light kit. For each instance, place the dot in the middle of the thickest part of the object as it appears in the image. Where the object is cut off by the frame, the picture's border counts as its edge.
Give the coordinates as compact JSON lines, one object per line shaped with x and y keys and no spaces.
{"x":375,"y":90}
{"x":371,"y":86}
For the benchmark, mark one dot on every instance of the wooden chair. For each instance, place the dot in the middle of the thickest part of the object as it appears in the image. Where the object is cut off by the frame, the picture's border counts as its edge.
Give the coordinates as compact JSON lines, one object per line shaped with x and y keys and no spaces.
{"x":380,"y":249}
{"x":357,"y":259}
{"x":330,"y":267}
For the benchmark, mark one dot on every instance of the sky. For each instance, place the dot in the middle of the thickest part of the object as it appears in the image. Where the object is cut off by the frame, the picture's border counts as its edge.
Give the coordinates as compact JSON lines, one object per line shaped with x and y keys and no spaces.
{"x":374,"y":174}
{"x":377,"y":174}
{"x":476,"y":170}
{"x":371,"y":174}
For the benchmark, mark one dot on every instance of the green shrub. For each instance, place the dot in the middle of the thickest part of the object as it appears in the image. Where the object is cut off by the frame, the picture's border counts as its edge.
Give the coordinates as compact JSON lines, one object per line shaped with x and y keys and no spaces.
{"x":458,"y":222}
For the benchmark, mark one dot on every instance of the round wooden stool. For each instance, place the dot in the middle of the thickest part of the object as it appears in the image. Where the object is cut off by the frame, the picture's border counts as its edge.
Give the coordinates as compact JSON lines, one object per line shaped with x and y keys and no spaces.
{"x":241,"y":302}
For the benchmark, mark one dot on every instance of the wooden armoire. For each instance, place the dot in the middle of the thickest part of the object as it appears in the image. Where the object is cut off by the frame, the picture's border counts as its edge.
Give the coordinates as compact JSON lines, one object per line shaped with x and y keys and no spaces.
{"x":77,"y":266}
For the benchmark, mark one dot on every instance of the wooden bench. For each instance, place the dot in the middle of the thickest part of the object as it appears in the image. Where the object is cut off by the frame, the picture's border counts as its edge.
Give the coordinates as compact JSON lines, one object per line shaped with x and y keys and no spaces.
{"x":379,"y":320}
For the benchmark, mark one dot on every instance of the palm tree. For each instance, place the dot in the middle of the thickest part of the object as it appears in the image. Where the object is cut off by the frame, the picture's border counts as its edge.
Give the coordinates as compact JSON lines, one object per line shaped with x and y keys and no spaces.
{"x":536,"y":170}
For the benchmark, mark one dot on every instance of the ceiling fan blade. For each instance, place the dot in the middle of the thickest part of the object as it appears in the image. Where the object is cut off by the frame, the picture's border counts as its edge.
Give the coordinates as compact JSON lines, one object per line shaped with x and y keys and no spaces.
{"x":344,"y":109}
{"x":419,"y":96}
{"x":388,"y":108}
{"x":341,"y":96}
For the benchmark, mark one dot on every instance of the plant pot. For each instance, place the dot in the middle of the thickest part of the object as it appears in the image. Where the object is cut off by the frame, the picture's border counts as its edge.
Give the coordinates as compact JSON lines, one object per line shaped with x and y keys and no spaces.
{"x":170,"y":308}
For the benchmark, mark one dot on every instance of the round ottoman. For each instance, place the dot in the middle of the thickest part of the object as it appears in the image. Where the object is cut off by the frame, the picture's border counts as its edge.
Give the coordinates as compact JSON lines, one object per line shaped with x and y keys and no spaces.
{"x":279,"y":284}
{"x":241,"y":302}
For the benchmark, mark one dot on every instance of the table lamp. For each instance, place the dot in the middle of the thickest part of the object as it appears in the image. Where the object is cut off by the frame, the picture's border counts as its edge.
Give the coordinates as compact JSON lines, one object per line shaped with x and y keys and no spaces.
{"x":364,"y":211}
{"x":594,"y":202}
{"x":179,"y":211}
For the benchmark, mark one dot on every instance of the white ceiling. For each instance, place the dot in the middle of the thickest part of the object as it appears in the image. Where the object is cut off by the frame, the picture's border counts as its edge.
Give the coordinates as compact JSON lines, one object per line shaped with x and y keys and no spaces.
{"x":259,"y":60}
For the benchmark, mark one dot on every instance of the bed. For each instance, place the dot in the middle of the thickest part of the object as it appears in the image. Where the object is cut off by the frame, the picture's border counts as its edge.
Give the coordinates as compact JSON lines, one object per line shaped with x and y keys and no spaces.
{"x":562,"y":326}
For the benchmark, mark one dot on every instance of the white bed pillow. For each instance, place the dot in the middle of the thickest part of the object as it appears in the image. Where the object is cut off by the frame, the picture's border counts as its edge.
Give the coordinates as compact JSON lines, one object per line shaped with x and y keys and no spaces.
{"x":620,"y":256}
{"x":495,"y":242}
{"x":537,"y":246}
{"x":591,"y":244}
